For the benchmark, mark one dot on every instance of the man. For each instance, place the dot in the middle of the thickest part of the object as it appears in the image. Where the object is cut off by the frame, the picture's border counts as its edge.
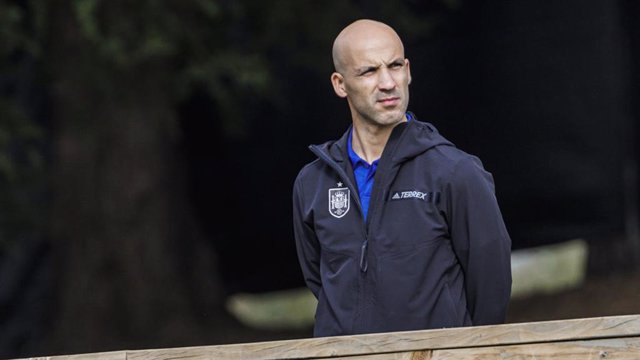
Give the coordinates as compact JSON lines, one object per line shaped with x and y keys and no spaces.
{"x":395,"y":228}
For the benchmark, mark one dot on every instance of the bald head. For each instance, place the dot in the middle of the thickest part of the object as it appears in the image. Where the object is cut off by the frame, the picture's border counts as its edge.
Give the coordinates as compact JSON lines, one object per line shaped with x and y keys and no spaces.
{"x":359,"y":34}
{"x":372,"y":74}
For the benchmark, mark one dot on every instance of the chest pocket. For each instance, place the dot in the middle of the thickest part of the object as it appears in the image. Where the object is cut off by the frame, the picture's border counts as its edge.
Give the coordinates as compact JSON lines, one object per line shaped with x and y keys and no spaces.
{"x":337,"y":222}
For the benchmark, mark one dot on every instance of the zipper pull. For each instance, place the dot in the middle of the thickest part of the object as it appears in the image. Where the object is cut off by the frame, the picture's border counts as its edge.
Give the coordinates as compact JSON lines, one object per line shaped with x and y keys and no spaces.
{"x":364,"y":264}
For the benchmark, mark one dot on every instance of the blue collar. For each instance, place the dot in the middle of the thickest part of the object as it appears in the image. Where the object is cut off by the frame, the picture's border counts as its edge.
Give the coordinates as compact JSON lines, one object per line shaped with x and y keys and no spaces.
{"x":355,"y":159}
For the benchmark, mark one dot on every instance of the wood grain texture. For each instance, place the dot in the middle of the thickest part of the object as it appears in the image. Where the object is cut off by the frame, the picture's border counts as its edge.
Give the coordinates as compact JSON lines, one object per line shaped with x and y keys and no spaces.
{"x":624,"y":349}
{"x":113,"y":355}
{"x":507,"y":334}
{"x":421,"y":355}
{"x":387,"y":356}
{"x":416,"y":355}
{"x":403,"y":345}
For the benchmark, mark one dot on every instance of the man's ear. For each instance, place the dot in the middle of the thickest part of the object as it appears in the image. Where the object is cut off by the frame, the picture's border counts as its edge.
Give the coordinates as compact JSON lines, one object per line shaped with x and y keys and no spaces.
{"x":337,"y":80}
{"x":407,"y":64}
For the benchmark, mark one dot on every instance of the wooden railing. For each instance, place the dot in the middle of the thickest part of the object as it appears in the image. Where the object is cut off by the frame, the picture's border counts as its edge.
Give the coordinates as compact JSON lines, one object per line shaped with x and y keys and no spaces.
{"x":616,"y":337}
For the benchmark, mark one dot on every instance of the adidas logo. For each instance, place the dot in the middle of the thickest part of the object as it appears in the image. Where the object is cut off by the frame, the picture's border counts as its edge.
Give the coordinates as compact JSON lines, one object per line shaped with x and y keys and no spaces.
{"x":414,"y":194}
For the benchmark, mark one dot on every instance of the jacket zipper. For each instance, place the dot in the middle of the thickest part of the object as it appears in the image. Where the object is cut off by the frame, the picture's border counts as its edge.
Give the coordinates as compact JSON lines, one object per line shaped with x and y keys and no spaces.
{"x":379,"y":192}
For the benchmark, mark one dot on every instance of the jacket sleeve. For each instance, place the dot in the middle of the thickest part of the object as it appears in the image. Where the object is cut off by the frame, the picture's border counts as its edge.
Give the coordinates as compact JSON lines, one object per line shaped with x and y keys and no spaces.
{"x":480,"y":241}
{"x":307,"y":245}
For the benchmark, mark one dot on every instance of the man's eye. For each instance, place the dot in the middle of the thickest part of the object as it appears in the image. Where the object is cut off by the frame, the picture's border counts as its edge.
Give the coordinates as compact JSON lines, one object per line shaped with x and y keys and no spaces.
{"x":396,"y":65}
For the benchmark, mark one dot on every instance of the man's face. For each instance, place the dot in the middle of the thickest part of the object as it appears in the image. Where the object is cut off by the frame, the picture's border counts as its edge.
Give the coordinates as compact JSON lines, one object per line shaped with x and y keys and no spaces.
{"x":375,"y":79}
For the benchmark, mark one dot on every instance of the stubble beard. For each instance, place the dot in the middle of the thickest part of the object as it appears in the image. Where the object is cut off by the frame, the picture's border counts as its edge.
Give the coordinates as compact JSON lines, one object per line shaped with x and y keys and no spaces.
{"x":384,"y":119}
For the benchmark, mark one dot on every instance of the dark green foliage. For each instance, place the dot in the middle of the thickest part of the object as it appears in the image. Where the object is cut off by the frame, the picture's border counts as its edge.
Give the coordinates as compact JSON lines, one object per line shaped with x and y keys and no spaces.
{"x":229,"y":48}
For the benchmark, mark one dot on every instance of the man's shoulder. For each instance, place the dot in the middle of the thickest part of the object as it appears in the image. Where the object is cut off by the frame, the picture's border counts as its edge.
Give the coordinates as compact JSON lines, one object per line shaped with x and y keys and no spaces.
{"x":468,"y":169}
{"x":455,"y":155}
{"x":331,"y":150}
{"x":450,"y":154}
{"x":310,"y":169}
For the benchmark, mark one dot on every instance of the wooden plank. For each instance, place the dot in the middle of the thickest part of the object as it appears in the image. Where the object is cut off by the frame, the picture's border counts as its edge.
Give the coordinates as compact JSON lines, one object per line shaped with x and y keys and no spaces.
{"x":112,"y":355}
{"x":390,"y":356}
{"x":624,"y":349}
{"x":417,"y":355}
{"x":317,"y":348}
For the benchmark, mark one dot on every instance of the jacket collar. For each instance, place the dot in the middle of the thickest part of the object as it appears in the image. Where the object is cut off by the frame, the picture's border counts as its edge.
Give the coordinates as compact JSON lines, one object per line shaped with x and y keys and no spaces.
{"x":407,"y":140}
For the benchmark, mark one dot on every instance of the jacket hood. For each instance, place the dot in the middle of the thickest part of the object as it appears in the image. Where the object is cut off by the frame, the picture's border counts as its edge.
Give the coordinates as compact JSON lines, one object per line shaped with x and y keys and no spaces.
{"x":415,"y":136}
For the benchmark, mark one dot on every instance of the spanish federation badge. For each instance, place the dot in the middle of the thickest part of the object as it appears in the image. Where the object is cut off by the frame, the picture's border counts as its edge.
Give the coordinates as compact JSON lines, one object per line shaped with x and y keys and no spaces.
{"x":339,"y":200}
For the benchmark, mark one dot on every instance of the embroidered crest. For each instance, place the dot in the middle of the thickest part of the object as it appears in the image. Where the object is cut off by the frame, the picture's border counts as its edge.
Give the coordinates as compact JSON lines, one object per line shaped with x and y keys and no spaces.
{"x":339,"y":201}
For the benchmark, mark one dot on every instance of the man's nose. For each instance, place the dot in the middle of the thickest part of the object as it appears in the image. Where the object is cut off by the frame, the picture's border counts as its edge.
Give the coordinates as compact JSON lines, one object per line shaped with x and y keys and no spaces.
{"x":386,"y":81}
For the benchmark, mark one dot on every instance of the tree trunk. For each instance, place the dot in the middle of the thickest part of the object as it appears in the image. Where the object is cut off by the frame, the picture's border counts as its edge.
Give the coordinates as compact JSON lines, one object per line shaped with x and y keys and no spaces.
{"x":133,"y":269}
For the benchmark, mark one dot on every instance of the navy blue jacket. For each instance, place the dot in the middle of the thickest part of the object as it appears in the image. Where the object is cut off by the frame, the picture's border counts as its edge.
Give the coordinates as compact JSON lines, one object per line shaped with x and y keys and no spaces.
{"x":433,"y":253}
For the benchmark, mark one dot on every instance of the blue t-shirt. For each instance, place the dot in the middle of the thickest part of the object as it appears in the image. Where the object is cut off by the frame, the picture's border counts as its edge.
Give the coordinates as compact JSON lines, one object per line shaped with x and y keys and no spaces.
{"x":364,"y":173}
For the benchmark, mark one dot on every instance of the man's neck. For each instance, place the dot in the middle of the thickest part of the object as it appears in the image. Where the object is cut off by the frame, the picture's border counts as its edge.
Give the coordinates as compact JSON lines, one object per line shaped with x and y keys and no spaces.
{"x":368,"y":141}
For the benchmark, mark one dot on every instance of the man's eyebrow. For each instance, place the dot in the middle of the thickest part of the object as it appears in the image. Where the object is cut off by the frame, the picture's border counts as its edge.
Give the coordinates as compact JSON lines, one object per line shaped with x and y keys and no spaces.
{"x":362,"y":69}
{"x":365,"y":68}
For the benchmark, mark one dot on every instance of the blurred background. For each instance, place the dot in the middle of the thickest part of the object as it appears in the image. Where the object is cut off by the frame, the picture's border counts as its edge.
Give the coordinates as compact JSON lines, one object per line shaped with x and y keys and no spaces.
{"x":148,"y":150}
